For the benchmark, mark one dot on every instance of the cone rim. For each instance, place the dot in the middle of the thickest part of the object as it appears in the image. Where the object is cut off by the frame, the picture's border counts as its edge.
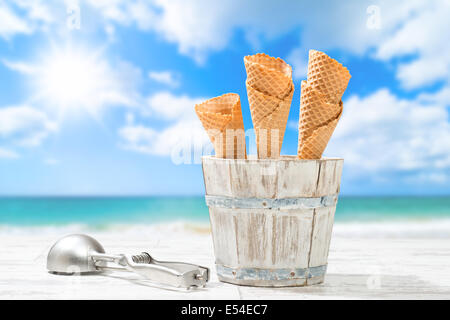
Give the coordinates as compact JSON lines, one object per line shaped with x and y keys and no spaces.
{"x":199,"y":106}
{"x":329,"y":59}
{"x":285,"y":68}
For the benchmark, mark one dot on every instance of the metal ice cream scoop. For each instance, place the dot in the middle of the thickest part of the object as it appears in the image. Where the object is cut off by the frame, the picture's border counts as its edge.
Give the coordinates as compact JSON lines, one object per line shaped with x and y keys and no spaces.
{"x":81,"y":254}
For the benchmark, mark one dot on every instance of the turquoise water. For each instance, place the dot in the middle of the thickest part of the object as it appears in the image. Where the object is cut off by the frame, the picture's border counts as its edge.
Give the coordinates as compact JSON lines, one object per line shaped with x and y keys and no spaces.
{"x":102,"y":211}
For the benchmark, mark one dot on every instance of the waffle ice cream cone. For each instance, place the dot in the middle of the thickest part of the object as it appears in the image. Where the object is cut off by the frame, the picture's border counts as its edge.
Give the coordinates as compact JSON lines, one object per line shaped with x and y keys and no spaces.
{"x":269,"y":90}
{"x":266,"y":104}
{"x":315,"y":110}
{"x":222,"y":119}
{"x":270,"y":127}
{"x":320,"y":104}
{"x":327,"y":76}
{"x":270,"y":131}
{"x":314,"y":144}
{"x":268,"y":75}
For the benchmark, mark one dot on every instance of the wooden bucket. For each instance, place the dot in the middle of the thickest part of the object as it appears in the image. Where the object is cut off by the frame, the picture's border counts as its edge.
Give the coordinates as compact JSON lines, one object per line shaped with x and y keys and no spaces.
{"x":271,"y":219}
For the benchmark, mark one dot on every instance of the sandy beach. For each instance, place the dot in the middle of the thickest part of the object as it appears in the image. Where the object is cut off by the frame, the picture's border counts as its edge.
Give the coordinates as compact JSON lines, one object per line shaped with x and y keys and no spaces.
{"x":374,"y":264}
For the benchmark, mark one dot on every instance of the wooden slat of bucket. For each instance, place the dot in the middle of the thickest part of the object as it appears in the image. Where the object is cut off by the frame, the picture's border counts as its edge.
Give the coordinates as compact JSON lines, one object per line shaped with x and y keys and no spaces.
{"x":260,"y":240}
{"x":329,"y":177}
{"x":223,"y":227}
{"x":322,"y":230}
{"x":254,"y":180}
{"x":301,"y":174}
{"x":293,"y":247}
{"x":216,"y":175}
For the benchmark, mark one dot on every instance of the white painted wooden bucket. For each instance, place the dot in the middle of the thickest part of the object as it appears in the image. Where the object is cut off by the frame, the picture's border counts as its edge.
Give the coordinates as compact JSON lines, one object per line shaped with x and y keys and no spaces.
{"x":271,"y":219}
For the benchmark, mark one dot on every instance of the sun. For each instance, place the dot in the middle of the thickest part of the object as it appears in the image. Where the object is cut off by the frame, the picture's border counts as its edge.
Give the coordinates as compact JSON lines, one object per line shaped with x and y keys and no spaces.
{"x":69,"y":80}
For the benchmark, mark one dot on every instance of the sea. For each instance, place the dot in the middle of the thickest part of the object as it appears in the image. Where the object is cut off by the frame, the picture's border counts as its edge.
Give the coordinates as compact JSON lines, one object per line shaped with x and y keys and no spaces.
{"x":393,"y":215}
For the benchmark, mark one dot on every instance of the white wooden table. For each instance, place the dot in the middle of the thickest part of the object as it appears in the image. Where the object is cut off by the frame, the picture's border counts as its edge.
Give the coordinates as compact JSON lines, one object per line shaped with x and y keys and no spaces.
{"x":358,"y":269}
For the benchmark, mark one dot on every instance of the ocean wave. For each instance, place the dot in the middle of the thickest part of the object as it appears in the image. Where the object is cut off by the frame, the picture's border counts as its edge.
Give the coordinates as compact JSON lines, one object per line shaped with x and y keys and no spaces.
{"x":122,"y":228}
{"x":439,"y":228}
{"x":394,"y":229}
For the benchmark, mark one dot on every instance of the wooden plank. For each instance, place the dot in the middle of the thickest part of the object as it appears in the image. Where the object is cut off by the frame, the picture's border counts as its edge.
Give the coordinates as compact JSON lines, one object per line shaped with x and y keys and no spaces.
{"x":321,"y":235}
{"x":254,"y":237}
{"x":329,"y":177}
{"x":216,"y":175}
{"x":253,"y":179}
{"x":297,"y":178}
{"x":224,"y":236}
{"x":291,"y":239}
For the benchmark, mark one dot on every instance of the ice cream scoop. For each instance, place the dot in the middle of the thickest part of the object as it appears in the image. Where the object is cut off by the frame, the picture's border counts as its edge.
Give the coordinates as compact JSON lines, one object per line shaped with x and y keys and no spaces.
{"x":82,"y":254}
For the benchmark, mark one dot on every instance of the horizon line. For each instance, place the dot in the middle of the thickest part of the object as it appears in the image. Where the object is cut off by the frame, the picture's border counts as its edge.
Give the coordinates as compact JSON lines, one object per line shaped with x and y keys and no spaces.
{"x":191,"y":195}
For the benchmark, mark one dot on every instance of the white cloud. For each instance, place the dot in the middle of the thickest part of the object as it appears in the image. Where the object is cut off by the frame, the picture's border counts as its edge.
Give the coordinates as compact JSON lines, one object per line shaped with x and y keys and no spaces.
{"x":169,"y":106}
{"x":182,"y":135}
{"x":169,"y":78}
{"x":28,"y":16}
{"x":25,"y":125}
{"x":140,"y":13}
{"x":11,"y":24}
{"x":298,"y":58}
{"x":21,"y":67}
{"x":424,"y":36}
{"x":183,"y":129}
{"x":8,"y":154}
{"x":441,"y":97}
{"x":413,"y":29}
{"x":439,"y":178}
{"x":138,"y":138}
{"x":381,"y":134}
{"x":37,"y":10}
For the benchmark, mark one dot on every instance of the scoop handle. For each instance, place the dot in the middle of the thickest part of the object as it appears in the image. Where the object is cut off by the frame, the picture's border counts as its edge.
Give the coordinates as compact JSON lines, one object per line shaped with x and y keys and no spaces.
{"x":177,"y":274}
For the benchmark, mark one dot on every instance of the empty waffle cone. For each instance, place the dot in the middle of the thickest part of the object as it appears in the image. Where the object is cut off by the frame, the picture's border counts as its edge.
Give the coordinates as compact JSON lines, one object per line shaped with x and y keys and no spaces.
{"x":269,"y":116}
{"x":222,"y":119}
{"x":327,"y":76}
{"x":269,"y":75}
{"x":312,"y":147}
{"x":315,"y":111}
{"x":261,"y":104}
{"x":318,"y":119}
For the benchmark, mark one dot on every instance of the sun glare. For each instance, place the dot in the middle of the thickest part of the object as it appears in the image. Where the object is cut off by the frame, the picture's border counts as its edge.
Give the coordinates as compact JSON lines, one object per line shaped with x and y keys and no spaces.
{"x":69,"y":80}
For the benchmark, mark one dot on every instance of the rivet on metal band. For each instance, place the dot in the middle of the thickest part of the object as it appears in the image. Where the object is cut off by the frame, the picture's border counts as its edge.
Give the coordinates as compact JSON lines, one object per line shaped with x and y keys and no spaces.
{"x":270,"y":274}
{"x":267,"y":203}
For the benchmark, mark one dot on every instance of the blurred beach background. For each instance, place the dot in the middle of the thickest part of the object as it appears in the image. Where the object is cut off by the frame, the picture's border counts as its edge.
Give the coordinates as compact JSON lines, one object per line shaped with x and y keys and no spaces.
{"x":98,"y":130}
{"x":356,"y":216}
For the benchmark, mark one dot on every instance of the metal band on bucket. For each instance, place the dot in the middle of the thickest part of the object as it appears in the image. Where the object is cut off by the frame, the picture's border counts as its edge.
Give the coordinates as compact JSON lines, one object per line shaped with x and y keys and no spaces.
{"x":267,"y":203}
{"x":270,"y":274}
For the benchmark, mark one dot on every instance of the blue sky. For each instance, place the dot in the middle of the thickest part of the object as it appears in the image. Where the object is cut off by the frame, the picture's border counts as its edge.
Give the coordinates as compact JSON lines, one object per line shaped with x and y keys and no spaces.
{"x":97,"y":97}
